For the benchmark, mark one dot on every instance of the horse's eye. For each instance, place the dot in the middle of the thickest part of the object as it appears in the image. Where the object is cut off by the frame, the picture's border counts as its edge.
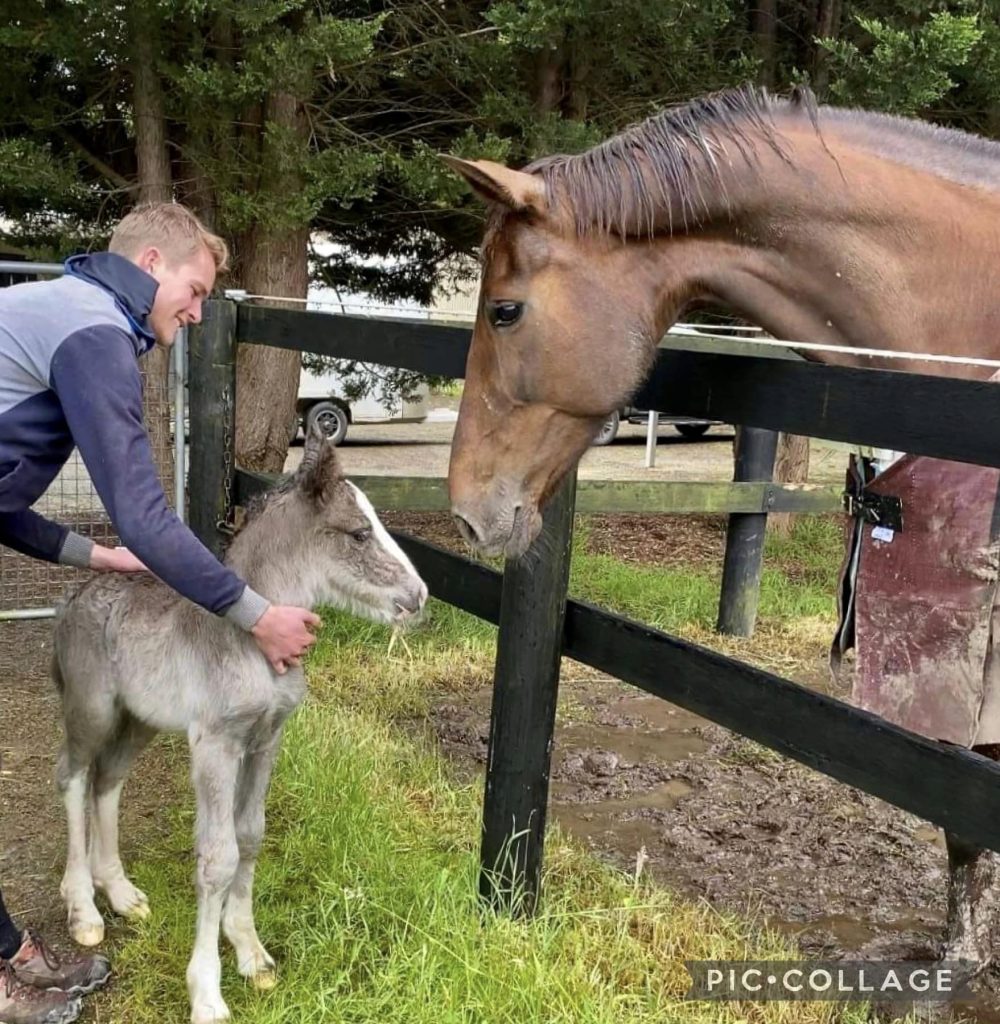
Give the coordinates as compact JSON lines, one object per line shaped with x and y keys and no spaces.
{"x":361,"y":535}
{"x":503,"y":314}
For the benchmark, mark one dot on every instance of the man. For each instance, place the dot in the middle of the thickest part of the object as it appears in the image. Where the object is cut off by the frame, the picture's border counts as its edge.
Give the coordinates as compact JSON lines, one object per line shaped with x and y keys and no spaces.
{"x":69,"y":377}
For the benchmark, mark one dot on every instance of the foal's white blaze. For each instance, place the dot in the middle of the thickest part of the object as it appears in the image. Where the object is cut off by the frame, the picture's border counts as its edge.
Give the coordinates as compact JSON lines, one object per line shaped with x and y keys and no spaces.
{"x":382,"y":534}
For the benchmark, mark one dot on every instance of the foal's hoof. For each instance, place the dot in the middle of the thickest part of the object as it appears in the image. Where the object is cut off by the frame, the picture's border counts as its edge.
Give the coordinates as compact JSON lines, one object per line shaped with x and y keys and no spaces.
{"x":137,"y":912}
{"x":125,"y":899}
{"x":265,"y":979}
{"x":87,"y":933}
{"x":209,"y":1012}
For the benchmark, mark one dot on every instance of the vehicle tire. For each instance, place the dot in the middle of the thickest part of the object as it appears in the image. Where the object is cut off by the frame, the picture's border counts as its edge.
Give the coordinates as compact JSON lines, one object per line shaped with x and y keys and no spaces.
{"x":332,"y":419}
{"x":691,"y":429}
{"x":609,"y":431}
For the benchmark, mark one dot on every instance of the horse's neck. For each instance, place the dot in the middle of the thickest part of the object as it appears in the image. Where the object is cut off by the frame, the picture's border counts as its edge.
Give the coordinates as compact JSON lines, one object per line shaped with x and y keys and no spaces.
{"x":853,"y":251}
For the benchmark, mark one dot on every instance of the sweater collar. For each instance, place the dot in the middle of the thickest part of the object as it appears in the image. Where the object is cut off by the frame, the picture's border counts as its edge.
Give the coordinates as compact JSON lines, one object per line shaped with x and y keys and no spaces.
{"x":131,"y":287}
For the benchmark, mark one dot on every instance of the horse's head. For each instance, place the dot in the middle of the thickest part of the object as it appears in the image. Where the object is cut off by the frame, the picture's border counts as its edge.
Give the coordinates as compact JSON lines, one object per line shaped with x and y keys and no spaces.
{"x":562,"y":337}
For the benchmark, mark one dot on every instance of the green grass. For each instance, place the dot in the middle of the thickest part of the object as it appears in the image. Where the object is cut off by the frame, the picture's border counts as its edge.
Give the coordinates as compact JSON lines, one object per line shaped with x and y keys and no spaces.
{"x":454,"y":651}
{"x":366,"y":888}
{"x":812,"y":551}
{"x":798,"y":581}
{"x":366,"y":895}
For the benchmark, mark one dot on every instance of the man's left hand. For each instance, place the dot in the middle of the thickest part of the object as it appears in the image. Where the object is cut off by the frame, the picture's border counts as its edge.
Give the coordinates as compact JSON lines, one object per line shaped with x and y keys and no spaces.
{"x":104,"y":559}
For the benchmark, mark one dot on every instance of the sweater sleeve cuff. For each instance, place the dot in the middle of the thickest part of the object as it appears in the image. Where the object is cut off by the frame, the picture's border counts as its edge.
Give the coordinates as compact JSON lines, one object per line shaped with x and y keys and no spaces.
{"x":247,"y":609}
{"x":76,"y":550}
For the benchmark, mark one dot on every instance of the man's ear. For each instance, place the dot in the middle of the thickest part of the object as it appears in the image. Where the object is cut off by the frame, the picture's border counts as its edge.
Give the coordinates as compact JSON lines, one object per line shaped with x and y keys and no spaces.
{"x":149,"y":258}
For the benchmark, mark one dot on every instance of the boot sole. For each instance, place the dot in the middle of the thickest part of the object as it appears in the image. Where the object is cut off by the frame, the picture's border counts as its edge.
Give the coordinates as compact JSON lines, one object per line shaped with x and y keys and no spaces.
{"x":85,"y":990}
{"x":73,"y":1009}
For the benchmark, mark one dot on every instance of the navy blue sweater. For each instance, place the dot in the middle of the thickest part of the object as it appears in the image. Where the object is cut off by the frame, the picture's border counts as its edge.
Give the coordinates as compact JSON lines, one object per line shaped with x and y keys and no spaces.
{"x":69,"y":376}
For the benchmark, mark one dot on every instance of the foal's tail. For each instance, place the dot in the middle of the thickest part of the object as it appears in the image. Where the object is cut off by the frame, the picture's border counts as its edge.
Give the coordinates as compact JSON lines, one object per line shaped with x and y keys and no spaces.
{"x":62,"y":604}
{"x":56,"y":672}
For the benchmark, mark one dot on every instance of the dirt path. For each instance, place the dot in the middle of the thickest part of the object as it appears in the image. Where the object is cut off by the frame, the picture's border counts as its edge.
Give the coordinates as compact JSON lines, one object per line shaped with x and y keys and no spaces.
{"x":32,"y":822}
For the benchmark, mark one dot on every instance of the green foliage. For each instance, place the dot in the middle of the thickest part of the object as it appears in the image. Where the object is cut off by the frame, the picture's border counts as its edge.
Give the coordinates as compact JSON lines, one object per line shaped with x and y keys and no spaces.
{"x":903,"y":70}
{"x":380,"y":89}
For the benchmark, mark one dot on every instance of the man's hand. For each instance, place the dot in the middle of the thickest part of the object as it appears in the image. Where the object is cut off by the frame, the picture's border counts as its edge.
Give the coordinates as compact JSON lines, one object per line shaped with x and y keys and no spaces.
{"x":283,"y":635}
{"x":114,"y":560}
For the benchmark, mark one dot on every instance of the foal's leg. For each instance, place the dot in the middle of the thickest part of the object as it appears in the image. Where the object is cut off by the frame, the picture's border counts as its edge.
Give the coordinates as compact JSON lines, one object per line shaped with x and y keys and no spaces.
{"x":90,"y":720}
{"x":84,"y":920}
{"x":110,"y":770}
{"x":255,"y":963}
{"x":215,"y":759}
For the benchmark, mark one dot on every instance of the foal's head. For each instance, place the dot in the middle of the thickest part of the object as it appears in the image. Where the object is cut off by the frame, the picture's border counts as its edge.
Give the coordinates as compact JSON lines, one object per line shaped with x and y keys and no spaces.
{"x":317,"y":540}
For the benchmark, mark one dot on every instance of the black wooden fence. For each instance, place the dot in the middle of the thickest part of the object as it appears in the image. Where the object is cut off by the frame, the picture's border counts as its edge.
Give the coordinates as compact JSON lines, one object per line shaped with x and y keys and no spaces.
{"x":952,"y":419}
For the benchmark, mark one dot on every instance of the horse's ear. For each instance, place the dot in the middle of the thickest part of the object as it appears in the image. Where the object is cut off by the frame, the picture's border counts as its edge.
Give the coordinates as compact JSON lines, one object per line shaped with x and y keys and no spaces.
{"x":319,"y":470}
{"x":495,"y":183}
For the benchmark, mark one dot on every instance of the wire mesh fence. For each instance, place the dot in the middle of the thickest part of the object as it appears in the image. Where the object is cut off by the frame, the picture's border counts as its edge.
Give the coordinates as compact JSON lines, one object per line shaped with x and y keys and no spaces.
{"x":29,"y":587}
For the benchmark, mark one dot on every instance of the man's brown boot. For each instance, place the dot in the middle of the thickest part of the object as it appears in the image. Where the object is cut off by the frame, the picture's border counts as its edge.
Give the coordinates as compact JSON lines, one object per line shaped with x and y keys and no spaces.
{"x":25,"y":1004}
{"x":35,"y":964}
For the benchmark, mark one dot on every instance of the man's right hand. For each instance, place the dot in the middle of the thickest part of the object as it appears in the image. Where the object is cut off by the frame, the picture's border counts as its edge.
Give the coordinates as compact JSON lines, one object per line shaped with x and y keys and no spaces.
{"x":283,"y":635}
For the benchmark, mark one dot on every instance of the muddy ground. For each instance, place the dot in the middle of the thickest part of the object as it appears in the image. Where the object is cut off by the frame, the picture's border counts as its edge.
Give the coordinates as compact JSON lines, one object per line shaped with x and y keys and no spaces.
{"x":706,"y":812}
{"x":716,"y":816}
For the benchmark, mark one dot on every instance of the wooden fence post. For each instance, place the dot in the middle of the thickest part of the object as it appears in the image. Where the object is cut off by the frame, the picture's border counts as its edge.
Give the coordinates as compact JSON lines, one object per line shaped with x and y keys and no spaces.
{"x":755,"y":451}
{"x":525,"y":686}
{"x":212,"y":369}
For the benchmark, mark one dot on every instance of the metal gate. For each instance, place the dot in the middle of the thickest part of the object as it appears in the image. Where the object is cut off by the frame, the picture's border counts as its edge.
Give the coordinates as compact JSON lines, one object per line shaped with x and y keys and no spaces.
{"x":28,"y":587}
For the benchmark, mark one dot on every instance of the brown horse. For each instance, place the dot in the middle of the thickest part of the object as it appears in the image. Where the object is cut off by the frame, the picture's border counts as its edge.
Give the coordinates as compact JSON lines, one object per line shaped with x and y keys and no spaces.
{"x":817,"y":224}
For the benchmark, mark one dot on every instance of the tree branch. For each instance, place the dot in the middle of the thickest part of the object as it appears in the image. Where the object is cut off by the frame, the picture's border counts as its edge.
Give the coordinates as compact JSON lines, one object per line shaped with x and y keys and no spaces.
{"x":119,"y":181}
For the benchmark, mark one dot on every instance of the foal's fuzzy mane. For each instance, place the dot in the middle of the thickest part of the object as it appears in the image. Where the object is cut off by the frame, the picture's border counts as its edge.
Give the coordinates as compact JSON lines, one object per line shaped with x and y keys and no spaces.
{"x":256,"y":503}
{"x":621,"y":185}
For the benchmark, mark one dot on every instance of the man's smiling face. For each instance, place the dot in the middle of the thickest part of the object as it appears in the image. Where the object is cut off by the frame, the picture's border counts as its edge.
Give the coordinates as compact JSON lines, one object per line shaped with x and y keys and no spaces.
{"x":183,"y":285}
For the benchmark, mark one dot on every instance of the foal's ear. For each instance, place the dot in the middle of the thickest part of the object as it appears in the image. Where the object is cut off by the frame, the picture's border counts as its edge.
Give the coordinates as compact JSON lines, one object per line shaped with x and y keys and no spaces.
{"x":495,"y":183}
{"x":319,"y":471}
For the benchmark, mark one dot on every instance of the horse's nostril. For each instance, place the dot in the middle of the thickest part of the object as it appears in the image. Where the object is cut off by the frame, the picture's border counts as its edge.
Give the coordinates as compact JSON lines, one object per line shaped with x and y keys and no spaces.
{"x":466,"y":529}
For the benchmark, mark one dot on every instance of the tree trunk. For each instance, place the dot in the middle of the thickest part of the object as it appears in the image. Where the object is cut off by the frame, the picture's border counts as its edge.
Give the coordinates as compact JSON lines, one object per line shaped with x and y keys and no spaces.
{"x":764,"y":26}
{"x":577,"y":92}
{"x":274,"y":261}
{"x":791,"y":466}
{"x":548,"y":79}
{"x":153,"y":165}
{"x":827,"y":27}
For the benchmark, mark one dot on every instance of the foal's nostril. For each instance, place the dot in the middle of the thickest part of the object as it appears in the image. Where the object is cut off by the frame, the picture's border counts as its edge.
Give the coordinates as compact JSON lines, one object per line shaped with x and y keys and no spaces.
{"x":466,"y":529}
{"x":414,"y":598}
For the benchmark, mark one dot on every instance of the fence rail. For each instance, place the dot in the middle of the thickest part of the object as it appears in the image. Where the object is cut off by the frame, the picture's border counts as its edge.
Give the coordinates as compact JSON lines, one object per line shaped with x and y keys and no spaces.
{"x":951,"y":787}
{"x":430,"y":494}
{"x":885,"y":408}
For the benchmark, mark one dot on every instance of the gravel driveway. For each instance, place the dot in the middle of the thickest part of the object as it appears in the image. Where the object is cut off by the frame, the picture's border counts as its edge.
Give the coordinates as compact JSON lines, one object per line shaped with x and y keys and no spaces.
{"x":422,"y":449}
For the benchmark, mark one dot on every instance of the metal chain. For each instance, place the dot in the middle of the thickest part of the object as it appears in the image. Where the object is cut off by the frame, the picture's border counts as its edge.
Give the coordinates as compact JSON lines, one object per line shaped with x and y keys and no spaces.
{"x":226,"y":524}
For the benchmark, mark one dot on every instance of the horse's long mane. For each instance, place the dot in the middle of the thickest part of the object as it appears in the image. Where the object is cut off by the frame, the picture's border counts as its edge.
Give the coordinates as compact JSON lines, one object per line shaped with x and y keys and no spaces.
{"x":672,"y":159}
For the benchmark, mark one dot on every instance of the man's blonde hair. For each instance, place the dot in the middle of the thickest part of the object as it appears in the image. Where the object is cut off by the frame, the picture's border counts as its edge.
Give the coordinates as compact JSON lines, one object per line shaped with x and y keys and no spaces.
{"x":171,"y":228}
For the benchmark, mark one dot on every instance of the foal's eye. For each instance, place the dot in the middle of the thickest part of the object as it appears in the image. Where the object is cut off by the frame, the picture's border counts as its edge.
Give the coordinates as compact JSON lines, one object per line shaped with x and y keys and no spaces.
{"x":503,"y":314}
{"x":361,"y":535}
